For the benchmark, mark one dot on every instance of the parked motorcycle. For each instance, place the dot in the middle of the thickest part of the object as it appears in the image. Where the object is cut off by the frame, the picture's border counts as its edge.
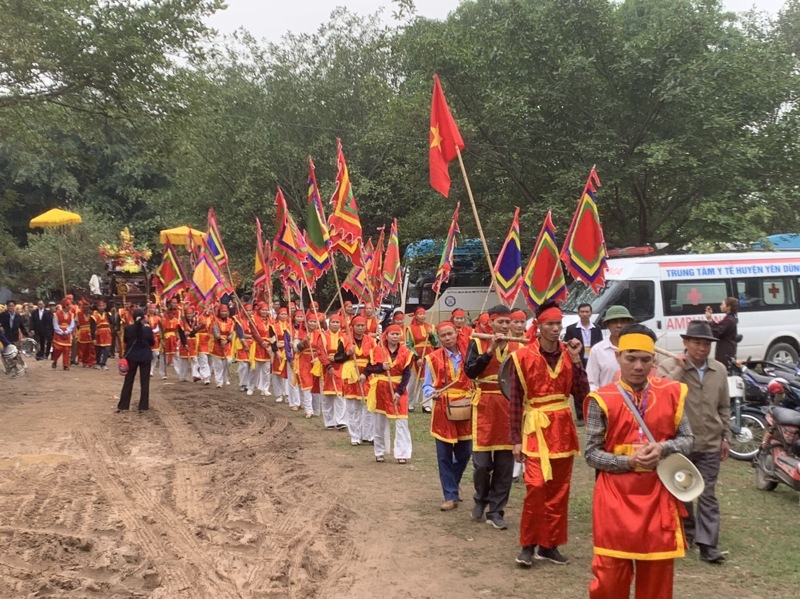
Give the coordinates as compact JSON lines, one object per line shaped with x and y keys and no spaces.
{"x":747,"y":422}
{"x":778,"y":458}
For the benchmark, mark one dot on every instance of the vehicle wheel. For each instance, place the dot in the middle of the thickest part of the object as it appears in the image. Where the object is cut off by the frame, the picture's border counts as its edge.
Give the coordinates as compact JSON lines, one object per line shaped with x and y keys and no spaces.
{"x":745,"y":443}
{"x":763,"y":481}
{"x":782,"y":353}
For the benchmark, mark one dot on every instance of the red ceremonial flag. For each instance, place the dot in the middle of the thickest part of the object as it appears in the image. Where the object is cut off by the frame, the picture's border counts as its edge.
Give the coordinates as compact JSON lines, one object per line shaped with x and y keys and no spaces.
{"x":344,"y":225}
{"x":170,"y":273}
{"x":214,"y":240}
{"x":544,"y":277}
{"x":391,"y":263}
{"x":444,"y":139}
{"x":355,"y":283}
{"x":289,"y":248}
{"x":261,"y":272}
{"x":584,"y":250}
{"x":317,"y":238}
{"x":446,"y":262}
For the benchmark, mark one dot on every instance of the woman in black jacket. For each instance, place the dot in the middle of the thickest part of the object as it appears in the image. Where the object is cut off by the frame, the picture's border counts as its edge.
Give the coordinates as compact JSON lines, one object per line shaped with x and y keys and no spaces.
{"x":138,"y":339}
{"x":725,"y":330}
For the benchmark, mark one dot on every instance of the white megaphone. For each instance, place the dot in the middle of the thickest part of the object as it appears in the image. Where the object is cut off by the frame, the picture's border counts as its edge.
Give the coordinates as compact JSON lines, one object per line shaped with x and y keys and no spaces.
{"x":681,"y":478}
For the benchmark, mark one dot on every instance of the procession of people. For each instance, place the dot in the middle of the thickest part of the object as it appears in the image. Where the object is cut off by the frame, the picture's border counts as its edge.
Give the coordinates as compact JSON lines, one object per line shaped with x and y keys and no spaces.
{"x":363,"y":379}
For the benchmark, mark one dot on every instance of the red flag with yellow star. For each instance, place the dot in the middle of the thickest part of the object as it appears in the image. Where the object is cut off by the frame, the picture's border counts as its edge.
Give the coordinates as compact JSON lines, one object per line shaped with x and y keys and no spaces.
{"x":444,"y":139}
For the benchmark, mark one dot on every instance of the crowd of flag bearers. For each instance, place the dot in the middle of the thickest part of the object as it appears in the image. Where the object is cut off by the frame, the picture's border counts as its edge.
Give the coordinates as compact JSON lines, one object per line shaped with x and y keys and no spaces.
{"x":497,"y":385}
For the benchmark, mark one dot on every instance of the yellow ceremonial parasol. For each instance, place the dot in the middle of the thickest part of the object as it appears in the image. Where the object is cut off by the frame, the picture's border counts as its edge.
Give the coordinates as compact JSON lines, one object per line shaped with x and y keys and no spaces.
{"x":57,"y":218}
{"x":180,"y":235}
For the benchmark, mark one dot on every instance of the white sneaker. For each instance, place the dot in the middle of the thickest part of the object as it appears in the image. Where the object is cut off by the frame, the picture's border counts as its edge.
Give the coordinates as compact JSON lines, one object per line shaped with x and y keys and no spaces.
{"x":279,"y":399}
{"x":164,"y":377}
{"x":249,"y":391}
{"x":219,"y":386}
{"x":206,"y":382}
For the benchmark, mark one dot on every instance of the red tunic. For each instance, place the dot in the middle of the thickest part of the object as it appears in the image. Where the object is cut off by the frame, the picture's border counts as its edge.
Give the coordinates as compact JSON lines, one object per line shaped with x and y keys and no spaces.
{"x":84,"y":327}
{"x":354,"y":390}
{"x":442,"y":374}
{"x":169,"y":327}
{"x":279,"y":362}
{"x":646,"y":522}
{"x":380,"y":393}
{"x":154,"y":323}
{"x":326,"y":349}
{"x":102,"y":331}
{"x":242,"y":352}
{"x":547,"y":427}
{"x":419,"y":336}
{"x":304,"y":358}
{"x":225,"y":329}
{"x":491,"y":423}
{"x":189,"y":332}
{"x":372,"y":325}
{"x":64,"y":319}
{"x":261,"y":333}
{"x":204,"y":335}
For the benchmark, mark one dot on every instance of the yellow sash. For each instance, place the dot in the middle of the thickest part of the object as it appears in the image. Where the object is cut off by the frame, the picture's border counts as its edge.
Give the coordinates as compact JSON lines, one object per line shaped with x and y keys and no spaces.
{"x":535,"y":420}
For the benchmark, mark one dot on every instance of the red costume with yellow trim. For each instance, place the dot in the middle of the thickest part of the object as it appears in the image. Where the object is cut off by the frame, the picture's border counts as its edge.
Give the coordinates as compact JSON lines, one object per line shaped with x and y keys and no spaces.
{"x":86,"y":354}
{"x":421,"y":336}
{"x":363,"y":349}
{"x":169,"y":327}
{"x":102,"y":331}
{"x":279,"y":362}
{"x":490,"y":419}
{"x":305,"y":357}
{"x":380,"y":398}
{"x":189,"y":328}
{"x":327,"y":347}
{"x":550,"y":442}
{"x":62,"y":342}
{"x":262,"y":354}
{"x":647,"y":520}
{"x":442,"y":374}
{"x":225,"y":328}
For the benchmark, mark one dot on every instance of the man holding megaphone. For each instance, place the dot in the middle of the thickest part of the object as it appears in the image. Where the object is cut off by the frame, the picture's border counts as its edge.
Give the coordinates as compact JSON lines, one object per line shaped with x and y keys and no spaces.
{"x":631,"y":425}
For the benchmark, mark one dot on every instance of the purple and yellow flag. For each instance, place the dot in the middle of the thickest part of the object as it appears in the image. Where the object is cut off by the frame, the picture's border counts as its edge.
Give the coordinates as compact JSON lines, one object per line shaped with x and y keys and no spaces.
{"x":214,"y":240}
{"x":508,"y":268}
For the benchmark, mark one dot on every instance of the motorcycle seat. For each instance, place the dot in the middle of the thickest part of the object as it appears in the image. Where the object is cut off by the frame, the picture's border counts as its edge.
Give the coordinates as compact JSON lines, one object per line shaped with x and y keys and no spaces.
{"x":785,"y":416}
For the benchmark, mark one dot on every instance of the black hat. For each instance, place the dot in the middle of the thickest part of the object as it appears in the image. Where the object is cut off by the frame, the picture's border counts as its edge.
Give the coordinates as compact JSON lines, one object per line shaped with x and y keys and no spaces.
{"x":699,"y":329}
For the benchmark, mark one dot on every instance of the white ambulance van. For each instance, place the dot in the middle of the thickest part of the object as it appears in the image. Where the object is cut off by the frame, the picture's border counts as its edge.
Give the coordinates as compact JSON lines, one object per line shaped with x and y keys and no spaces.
{"x":666,"y":292}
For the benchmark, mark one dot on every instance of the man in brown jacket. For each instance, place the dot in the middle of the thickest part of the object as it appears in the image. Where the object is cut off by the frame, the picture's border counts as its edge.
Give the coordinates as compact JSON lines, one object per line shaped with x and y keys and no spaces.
{"x":708,"y":408}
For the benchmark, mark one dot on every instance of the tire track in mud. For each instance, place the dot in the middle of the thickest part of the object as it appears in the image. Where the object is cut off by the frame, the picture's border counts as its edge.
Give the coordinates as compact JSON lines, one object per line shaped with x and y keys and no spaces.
{"x":149,"y":516}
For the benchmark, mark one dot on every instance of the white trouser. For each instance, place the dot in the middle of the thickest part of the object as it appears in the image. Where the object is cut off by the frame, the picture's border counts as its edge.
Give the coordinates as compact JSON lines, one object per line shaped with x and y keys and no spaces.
{"x":316,"y":403}
{"x":155,"y":364}
{"x":244,"y":374}
{"x":359,"y":421}
{"x":294,"y":392}
{"x":203,"y":367}
{"x":183,"y":367}
{"x":414,"y":391}
{"x":261,"y":377}
{"x":334,"y":410}
{"x":279,"y":386}
{"x":220,"y":366}
{"x":402,"y":436}
{"x":305,"y":401}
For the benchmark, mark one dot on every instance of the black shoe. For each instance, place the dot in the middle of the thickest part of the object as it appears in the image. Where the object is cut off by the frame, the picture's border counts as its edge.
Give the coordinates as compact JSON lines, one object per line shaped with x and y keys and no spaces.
{"x":497,"y":522}
{"x":525,"y":556}
{"x":54,"y":366}
{"x":580,"y":422}
{"x":515,"y":479}
{"x":711,"y":555}
{"x":553,"y":555}
{"x":477,"y":512}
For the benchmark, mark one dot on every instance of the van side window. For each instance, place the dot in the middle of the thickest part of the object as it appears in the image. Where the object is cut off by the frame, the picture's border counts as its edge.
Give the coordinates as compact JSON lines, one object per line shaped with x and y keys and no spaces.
{"x":690,"y":297}
{"x":637,"y":296}
{"x":765,"y":293}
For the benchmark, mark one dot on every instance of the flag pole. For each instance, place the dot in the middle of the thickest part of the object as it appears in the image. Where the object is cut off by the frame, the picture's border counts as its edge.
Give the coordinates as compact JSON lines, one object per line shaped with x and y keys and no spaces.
{"x":424,"y":351}
{"x":477,"y":219}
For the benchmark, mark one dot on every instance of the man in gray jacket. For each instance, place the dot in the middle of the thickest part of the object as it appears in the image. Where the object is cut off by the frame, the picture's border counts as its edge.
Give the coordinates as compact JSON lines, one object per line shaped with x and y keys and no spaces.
{"x":708,"y":408}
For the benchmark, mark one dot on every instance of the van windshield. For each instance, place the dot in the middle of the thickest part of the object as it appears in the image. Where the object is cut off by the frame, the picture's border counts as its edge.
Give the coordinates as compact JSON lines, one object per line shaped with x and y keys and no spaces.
{"x":637,"y":296}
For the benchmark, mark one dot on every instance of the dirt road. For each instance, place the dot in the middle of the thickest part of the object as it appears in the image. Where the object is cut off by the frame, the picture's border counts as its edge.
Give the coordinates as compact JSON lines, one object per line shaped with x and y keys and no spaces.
{"x":213,"y":494}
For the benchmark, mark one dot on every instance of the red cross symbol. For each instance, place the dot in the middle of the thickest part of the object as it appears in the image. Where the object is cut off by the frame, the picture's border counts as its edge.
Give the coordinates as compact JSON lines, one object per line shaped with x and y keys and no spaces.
{"x":774,"y":291}
{"x":694,"y":296}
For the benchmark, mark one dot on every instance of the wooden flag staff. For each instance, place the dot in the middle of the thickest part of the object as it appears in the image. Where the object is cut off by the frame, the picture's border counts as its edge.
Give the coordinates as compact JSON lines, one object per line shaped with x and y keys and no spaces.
{"x":477,"y":221}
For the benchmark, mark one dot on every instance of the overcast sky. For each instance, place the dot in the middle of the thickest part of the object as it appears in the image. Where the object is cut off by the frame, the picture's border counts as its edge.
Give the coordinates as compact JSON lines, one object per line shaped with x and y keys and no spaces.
{"x":270,"y":19}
